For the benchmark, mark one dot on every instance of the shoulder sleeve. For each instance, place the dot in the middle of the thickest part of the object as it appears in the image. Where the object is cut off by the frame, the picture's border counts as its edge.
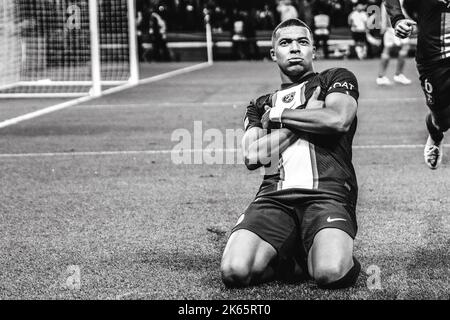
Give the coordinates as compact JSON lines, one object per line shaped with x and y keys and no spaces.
{"x":254,"y":112}
{"x":343,"y":81}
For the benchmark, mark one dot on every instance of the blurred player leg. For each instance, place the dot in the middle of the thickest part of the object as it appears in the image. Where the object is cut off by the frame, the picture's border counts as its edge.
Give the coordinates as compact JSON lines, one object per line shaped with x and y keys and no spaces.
{"x":361,"y":50}
{"x":388,"y":41}
{"x":382,"y":80}
{"x":360,"y":44}
{"x":399,"y":77}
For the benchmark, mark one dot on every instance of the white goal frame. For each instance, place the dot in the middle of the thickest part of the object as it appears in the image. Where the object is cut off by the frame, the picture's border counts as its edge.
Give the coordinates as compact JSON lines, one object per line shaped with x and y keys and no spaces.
{"x":93,"y":86}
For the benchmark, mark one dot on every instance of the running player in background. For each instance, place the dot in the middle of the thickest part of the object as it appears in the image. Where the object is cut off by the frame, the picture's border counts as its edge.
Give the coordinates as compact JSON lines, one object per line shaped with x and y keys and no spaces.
{"x":303,"y":220}
{"x":357,"y":21}
{"x":391,"y":42}
{"x":286,"y":10}
{"x":322,"y":31}
{"x":433,"y":63}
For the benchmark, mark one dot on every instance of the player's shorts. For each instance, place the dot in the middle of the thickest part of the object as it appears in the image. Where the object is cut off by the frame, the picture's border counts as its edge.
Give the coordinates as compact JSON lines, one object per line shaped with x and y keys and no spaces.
{"x":359,"y":36}
{"x":390,"y":40}
{"x":435,"y":81}
{"x":290,"y":227}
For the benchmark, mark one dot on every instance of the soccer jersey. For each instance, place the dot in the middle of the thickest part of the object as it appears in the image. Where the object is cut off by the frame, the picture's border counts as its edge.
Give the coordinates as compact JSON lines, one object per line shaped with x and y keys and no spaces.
{"x":315,"y":163}
{"x":433,"y":21}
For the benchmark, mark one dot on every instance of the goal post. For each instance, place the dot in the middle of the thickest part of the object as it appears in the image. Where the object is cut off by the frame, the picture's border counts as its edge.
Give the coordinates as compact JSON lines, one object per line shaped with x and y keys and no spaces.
{"x":67,"y":48}
{"x":209,"y":39}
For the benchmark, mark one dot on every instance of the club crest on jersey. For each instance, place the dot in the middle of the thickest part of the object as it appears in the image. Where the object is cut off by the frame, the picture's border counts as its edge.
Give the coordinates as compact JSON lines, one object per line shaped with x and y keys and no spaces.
{"x":289,"y":97}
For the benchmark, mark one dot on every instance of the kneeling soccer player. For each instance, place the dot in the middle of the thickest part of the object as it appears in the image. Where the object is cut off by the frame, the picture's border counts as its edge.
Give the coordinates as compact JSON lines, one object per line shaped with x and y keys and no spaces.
{"x":302,"y":223}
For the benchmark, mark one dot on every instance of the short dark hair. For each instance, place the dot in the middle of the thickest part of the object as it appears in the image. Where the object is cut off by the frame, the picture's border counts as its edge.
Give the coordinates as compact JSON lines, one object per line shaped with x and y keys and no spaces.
{"x":290,"y":23}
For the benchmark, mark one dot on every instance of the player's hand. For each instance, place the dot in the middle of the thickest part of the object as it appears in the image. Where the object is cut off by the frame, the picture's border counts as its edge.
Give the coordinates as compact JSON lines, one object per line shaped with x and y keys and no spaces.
{"x":404,"y":28}
{"x":313,"y":102}
{"x":265,"y":121}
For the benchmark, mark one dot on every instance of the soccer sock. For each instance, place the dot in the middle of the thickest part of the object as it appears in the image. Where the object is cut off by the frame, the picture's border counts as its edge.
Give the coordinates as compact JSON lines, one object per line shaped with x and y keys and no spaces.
{"x":400,"y":64}
{"x":383,"y":67}
{"x":435,"y":133}
{"x":346,"y":281}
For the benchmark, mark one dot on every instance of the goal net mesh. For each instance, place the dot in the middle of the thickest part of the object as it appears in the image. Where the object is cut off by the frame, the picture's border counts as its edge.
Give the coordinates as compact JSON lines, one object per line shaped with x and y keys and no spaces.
{"x":49,"y":46}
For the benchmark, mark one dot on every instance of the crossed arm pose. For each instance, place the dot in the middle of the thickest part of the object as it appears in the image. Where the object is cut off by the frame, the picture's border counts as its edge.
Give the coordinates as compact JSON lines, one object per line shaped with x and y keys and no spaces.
{"x":335,"y":118}
{"x":302,"y":222}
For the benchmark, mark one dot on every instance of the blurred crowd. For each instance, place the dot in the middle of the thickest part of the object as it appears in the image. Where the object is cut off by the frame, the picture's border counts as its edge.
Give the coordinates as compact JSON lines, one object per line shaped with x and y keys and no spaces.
{"x":188,"y":15}
{"x":243,"y":18}
{"x":244,"y":22}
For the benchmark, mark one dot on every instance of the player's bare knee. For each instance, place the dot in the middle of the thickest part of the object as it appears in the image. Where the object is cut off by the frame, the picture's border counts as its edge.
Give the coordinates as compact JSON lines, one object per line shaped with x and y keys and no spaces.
{"x":235,"y":274}
{"x":385,"y":55}
{"x":329,"y":272}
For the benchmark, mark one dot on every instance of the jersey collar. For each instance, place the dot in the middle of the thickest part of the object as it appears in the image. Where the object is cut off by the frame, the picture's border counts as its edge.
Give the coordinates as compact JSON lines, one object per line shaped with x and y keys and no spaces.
{"x":302,"y":79}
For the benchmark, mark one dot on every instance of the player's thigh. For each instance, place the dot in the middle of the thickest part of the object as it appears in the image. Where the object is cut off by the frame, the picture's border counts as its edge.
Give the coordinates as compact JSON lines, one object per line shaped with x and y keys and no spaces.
{"x":436,"y":87}
{"x":265,"y":230}
{"x":328,"y":228}
{"x":389,"y":38}
{"x":246,"y":250}
{"x":404,"y":48}
{"x":332,"y":250}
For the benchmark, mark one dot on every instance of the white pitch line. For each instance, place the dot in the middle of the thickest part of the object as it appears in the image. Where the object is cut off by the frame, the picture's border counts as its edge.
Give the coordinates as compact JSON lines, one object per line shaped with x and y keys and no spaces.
{"x":175,"y":72}
{"x":41,"y":112}
{"x":159,"y":152}
{"x":64,"y":105}
{"x":222,"y":103}
{"x":235,"y":104}
{"x":111,"y":153}
{"x":86,"y":153}
{"x":167,"y":105}
{"x":391,"y":146}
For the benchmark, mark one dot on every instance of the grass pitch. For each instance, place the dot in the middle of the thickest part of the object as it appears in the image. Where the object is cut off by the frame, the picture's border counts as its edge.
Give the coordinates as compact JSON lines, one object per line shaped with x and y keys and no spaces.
{"x":133,"y":225}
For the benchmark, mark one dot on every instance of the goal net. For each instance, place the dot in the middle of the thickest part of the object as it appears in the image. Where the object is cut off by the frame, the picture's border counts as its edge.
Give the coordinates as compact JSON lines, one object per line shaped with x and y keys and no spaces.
{"x":65,"y":48}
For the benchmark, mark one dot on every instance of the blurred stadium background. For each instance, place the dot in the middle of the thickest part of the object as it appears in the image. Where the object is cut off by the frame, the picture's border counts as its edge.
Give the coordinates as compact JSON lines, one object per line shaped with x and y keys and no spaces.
{"x":93,"y":207}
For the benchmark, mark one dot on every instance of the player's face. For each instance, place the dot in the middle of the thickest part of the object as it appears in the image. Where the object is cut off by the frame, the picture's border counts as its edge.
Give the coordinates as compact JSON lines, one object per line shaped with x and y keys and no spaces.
{"x":293,"y":51}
